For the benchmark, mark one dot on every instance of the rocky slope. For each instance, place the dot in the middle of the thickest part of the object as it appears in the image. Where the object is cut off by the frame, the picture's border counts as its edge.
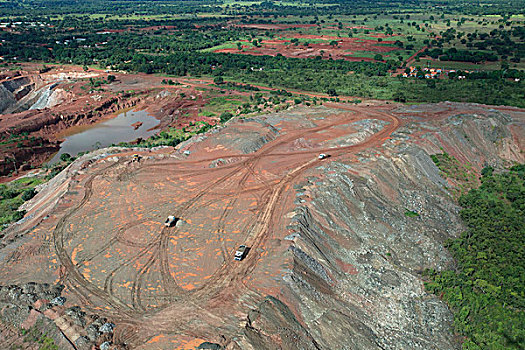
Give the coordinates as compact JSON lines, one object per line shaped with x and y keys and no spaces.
{"x":356,"y":258}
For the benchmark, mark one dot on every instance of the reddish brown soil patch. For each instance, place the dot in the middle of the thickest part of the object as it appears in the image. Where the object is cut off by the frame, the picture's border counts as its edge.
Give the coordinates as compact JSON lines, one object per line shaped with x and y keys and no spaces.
{"x":344,"y":49}
{"x":275,"y":26}
{"x":137,"y":125}
{"x":112,"y":31}
{"x":347,"y":268}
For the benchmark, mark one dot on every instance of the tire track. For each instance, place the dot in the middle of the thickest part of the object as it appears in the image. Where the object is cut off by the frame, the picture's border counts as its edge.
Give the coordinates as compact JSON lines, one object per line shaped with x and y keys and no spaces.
{"x":225,"y":279}
{"x":72,"y":275}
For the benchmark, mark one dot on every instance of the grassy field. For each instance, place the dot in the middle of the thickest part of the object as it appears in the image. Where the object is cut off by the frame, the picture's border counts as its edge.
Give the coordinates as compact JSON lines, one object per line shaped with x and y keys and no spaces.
{"x":228,"y":45}
{"x":220,"y":104}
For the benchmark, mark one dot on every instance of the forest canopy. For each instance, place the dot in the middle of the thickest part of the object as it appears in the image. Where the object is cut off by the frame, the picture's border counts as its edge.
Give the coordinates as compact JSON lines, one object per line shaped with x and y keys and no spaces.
{"x":486,"y":291}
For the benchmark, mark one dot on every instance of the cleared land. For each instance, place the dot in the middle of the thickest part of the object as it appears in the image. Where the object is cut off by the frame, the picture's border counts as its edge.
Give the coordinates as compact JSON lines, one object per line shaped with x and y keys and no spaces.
{"x":316,"y":45}
{"x":114,"y":253}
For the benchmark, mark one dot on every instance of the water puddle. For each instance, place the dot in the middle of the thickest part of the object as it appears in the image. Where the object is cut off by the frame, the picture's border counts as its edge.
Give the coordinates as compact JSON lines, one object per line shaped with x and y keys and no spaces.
{"x":104,"y":134}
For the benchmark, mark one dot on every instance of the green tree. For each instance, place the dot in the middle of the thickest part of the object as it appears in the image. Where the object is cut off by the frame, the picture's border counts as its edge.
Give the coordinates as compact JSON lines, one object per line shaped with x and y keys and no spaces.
{"x":331,"y":92}
{"x":399,"y":97}
{"x":225,"y":117}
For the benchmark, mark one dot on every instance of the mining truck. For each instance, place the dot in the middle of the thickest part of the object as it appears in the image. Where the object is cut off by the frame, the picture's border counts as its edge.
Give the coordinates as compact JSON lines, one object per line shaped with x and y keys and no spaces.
{"x":171,"y":221}
{"x":241,"y":252}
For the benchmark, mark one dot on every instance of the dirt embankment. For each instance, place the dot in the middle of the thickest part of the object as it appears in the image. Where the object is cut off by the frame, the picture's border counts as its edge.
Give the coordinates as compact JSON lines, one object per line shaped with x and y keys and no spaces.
{"x":12,"y":90}
{"x":50,"y":122}
{"x":30,"y":137}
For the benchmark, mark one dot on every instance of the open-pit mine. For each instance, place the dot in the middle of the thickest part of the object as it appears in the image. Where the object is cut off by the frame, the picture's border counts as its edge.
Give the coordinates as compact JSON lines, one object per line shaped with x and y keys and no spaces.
{"x":333,"y":261}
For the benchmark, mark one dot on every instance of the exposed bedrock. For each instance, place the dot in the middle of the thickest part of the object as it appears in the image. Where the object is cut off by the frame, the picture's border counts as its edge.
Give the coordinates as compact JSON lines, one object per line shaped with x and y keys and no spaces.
{"x":356,"y":257}
{"x":13,"y":90}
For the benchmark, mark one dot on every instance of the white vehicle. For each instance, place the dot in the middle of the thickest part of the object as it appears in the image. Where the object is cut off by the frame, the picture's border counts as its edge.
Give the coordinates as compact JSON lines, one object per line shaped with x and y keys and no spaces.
{"x":323,"y":156}
{"x":170,"y":221}
{"x":241,"y":252}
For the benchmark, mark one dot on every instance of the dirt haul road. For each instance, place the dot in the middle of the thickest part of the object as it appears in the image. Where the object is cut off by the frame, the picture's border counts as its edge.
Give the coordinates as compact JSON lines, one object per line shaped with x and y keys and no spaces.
{"x":113,"y":252}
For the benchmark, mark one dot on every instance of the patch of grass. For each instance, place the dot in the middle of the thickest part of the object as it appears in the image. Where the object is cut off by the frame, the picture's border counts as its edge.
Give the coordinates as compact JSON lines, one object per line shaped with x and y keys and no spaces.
{"x":411,"y":213}
{"x":221,"y":104}
{"x":207,"y":114}
{"x":461,"y":174}
{"x":458,"y":65}
{"x":228,"y":45}
{"x":35,"y":335}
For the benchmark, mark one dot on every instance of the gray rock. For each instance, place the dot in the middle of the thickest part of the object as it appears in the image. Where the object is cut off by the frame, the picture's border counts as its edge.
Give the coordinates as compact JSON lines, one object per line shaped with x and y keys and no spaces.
{"x":105,"y":345}
{"x":58,"y":301}
{"x":107,"y":328}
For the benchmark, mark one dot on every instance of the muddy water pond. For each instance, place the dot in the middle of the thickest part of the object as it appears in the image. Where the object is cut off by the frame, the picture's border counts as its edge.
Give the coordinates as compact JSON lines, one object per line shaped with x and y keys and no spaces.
{"x":106,"y":133}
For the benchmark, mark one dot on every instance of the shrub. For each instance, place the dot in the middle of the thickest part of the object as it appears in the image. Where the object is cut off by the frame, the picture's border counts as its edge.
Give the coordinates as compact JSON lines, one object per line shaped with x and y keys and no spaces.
{"x":225,"y":117}
{"x":18,"y":215}
{"x":28,"y":194}
{"x":411,"y":213}
{"x":65,"y":157}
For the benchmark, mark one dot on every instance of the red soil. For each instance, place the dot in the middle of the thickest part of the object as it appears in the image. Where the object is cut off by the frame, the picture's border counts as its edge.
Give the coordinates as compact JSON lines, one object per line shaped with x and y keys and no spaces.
{"x":275,"y":26}
{"x":112,"y":30}
{"x":163,"y":278}
{"x":344,"y":50}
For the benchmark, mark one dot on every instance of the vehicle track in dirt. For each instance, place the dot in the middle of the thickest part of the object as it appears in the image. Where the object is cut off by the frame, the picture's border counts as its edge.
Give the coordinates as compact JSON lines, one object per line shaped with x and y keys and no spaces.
{"x":72,"y":276}
{"x":228,"y":276}
{"x":156,"y":248}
